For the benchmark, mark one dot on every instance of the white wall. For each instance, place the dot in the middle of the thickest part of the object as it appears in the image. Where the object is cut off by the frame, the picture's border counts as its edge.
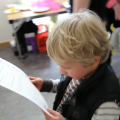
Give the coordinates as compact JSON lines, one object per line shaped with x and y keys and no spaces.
{"x":5,"y":28}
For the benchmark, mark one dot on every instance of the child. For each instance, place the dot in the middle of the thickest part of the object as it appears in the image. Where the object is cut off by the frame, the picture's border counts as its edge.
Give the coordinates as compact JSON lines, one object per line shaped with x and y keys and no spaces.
{"x":80,"y":45}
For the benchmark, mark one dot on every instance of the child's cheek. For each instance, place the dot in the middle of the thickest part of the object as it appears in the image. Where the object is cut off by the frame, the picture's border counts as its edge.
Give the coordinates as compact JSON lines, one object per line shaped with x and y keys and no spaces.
{"x":72,"y":74}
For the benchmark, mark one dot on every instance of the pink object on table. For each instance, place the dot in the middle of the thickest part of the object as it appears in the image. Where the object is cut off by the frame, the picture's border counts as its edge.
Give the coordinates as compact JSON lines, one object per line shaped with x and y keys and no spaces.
{"x":47,"y":3}
{"x":54,"y":5}
{"x":39,"y":4}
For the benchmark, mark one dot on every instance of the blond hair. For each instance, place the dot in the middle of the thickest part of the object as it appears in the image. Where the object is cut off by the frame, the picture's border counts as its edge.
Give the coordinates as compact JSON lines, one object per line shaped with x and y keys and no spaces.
{"x":79,"y":37}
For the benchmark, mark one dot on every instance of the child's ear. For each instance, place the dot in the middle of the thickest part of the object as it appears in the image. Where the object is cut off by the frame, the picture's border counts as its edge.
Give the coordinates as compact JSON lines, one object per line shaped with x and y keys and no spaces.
{"x":97,"y":59}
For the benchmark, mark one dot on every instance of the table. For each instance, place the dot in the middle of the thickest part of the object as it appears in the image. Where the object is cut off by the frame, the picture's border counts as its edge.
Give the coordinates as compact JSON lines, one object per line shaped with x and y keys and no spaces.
{"x":23,"y":15}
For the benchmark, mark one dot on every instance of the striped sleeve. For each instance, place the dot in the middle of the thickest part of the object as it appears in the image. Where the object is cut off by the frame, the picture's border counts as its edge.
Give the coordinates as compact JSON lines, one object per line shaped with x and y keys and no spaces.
{"x":55,"y":84}
{"x":107,"y":111}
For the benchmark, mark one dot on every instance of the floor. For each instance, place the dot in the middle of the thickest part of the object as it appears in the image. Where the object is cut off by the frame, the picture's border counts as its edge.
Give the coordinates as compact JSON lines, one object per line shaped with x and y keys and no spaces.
{"x":14,"y":106}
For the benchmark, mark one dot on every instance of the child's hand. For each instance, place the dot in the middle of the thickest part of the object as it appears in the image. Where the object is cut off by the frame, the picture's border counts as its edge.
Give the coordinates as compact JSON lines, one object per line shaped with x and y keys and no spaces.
{"x":116,"y":9}
{"x":55,"y":115}
{"x":38,"y":82}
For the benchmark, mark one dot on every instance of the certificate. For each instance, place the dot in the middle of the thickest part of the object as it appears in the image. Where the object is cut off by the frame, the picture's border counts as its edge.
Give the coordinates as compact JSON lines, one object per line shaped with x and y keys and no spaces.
{"x":14,"y":79}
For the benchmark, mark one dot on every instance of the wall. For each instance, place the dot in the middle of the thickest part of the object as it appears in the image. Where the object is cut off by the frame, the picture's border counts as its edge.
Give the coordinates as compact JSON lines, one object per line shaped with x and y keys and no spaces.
{"x":5,"y":28}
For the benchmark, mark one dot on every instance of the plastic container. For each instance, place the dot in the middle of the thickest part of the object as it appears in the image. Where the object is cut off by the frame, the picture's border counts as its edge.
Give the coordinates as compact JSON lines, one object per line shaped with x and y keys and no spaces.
{"x":54,"y":5}
{"x":41,"y":38}
{"x":39,"y":4}
{"x":47,"y":3}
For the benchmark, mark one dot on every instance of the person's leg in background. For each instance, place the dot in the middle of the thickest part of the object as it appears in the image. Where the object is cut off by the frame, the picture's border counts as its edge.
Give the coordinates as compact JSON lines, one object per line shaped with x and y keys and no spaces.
{"x":98,"y":6}
{"x":71,"y":3}
{"x":79,"y":4}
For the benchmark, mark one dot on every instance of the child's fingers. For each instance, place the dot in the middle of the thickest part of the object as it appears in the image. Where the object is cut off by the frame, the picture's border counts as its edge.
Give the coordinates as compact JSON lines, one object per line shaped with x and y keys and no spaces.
{"x":31,"y":78}
{"x":52,"y":112}
{"x":34,"y":81}
{"x":54,"y":115}
{"x":45,"y":113}
{"x":35,"y":78}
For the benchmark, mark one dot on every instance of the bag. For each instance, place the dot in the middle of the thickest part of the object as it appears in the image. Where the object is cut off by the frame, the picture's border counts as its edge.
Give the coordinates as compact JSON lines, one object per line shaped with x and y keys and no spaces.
{"x":41,"y":37}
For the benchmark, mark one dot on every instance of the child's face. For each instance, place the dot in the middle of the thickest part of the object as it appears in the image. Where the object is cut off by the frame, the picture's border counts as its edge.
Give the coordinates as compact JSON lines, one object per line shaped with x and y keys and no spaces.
{"x":76,"y":70}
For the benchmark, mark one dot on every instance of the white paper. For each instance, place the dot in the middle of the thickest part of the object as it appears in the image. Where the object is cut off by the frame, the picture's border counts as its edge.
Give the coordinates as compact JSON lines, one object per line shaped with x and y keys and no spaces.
{"x":12,"y":78}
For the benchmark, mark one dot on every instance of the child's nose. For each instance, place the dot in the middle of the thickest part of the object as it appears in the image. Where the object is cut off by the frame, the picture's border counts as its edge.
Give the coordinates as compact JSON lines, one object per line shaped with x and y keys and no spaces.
{"x":63,"y":71}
